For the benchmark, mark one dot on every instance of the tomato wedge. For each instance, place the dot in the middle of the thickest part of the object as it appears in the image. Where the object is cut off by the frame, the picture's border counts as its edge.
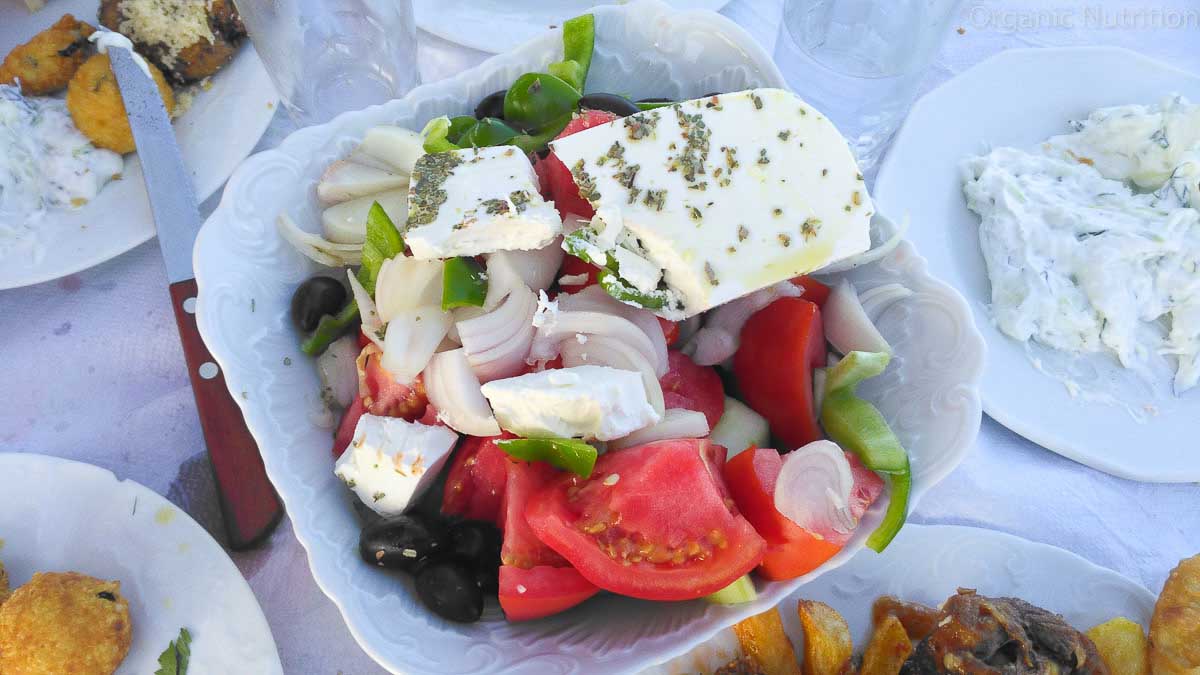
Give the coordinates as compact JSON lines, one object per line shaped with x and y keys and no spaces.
{"x":527,"y":594}
{"x":692,"y":387}
{"x":345,"y":430}
{"x":654,"y":522}
{"x":557,"y":177}
{"x":384,"y":395}
{"x":521,"y":547}
{"x":574,"y":267}
{"x":791,"y":550}
{"x":814,"y":291}
{"x":780,"y":346}
{"x":475,"y":485}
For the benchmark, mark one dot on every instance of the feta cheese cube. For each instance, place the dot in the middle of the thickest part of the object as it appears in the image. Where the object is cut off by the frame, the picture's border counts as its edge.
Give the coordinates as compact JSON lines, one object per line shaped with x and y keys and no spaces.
{"x":725,"y":195}
{"x":391,"y":461}
{"x":591,"y":402}
{"x":474,"y":201}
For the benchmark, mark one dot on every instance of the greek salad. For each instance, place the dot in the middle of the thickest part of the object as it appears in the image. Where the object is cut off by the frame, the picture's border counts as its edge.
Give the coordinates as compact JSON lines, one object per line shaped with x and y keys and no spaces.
{"x":577,"y":348}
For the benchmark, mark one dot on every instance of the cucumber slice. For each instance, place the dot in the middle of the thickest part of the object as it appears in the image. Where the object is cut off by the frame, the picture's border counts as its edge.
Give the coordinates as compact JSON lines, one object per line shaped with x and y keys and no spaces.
{"x":736,"y":593}
{"x":740,"y":427}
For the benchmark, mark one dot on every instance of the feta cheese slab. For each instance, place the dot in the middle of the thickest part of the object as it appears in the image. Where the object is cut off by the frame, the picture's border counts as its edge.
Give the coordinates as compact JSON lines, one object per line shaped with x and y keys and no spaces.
{"x":475,"y":201}
{"x":392,"y":461}
{"x":725,"y":195}
{"x":591,"y":402}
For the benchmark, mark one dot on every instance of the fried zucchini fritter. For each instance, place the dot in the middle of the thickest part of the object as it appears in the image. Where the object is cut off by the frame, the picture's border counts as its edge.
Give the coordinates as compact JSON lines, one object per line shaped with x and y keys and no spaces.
{"x":64,"y":623}
{"x":1175,"y":626}
{"x":95,"y":104}
{"x":4,"y":592}
{"x":187,"y":39}
{"x":47,"y":62}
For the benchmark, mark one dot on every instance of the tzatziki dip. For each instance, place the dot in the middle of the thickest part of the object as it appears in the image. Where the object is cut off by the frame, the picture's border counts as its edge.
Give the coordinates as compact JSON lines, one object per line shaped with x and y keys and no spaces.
{"x":1092,"y":239}
{"x":45,"y":164}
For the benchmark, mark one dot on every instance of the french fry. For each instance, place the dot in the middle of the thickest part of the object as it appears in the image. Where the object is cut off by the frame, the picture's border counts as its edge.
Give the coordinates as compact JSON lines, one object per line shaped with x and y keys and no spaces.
{"x":888,"y":649}
{"x":1122,"y":644}
{"x":918,"y":620}
{"x":763,"y":641}
{"x":827,"y":643}
{"x":1175,"y":626}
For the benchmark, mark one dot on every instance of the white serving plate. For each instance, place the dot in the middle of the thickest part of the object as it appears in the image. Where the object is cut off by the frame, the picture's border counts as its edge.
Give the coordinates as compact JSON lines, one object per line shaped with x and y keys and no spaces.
{"x":496,"y":26}
{"x":57,"y":515}
{"x":215,"y":134}
{"x":247,"y":275}
{"x":928,"y":563}
{"x":1019,"y":98}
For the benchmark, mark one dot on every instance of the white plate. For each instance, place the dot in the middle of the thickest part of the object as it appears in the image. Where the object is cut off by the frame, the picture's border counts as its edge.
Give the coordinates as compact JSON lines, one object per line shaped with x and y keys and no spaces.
{"x":221,"y":128}
{"x":927,"y":564}
{"x":57,"y":515}
{"x":1018,"y":98}
{"x":496,"y":26}
{"x":247,"y":275}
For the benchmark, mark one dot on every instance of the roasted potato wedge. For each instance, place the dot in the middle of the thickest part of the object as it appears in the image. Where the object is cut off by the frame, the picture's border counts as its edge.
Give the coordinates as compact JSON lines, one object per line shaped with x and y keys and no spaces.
{"x":888,"y":649}
{"x":827,"y":644}
{"x":764,"y":642}
{"x":1175,"y":626}
{"x":918,"y":620}
{"x":1122,"y":644}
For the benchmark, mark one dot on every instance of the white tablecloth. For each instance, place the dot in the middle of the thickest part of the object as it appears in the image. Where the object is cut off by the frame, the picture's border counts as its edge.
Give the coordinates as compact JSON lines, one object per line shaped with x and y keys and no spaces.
{"x":91,"y":369}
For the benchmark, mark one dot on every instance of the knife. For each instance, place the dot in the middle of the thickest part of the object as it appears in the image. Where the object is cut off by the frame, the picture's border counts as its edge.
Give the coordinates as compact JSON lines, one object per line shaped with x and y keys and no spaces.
{"x":249,"y":505}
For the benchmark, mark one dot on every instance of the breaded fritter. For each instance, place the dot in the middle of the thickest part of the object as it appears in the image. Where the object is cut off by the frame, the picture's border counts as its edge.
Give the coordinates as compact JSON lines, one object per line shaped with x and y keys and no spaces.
{"x":4,"y":592}
{"x":64,"y":623}
{"x":188,"y":40}
{"x":1175,"y":626}
{"x":95,"y":104}
{"x":47,"y":62}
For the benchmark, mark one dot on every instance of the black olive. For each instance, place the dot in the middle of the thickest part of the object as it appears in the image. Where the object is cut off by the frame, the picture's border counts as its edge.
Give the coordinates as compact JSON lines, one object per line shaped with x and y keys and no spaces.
{"x":401,"y":542}
{"x":315,"y":298}
{"x":448,"y":588}
{"x":492,"y":105}
{"x":476,"y":543}
{"x":712,"y":94}
{"x":488,"y":579}
{"x":613,"y":103}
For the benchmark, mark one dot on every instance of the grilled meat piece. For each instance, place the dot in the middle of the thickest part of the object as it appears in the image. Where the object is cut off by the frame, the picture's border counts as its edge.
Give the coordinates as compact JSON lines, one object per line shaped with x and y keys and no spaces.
{"x":1002,"y":636}
{"x":187,"y":39}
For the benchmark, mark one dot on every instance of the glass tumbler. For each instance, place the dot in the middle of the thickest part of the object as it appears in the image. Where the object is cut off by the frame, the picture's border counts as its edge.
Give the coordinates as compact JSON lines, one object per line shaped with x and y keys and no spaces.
{"x":860,"y":61}
{"x":329,"y":56}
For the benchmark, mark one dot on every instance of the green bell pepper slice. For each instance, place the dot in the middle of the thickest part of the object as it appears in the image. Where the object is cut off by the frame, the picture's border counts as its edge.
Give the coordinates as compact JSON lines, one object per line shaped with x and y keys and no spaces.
{"x":383,"y":241}
{"x":537,"y":99}
{"x":331,"y":328}
{"x":620,"y":289}
{"x":487,"y":132}
{"x":579,"y":40}
{"x":568,"y":454}
{"x":858,"y":426}
{"x":463,"y":283}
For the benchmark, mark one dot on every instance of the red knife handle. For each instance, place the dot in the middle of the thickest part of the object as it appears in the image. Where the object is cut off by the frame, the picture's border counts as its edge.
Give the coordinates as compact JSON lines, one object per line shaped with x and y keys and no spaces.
{"x":249,"y":505}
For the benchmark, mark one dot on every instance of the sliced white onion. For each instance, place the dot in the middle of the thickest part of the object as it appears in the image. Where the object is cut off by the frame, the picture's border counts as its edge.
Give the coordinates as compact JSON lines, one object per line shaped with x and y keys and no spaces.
{"x":345,"y":180}
{"x":502,"y":279}
{"x":593,"y":298}
{"x":372,"y":326}
{"x":406,"y":283}
{"x":398,"y":147}
{"x":813,"y":488}
{"x":336,"y":368}
{"x":883,"y":230}
{"x":740,"y":428}
{"x":876,"y":300}
{"x":676,"y":423}
{"x":346,"y":223}
{"x":535,"y":268}
{"x":413,"y":335}
{"x":599,"y":350}
{"x":847,"y":326}
{"x":455,"y":391}
{"x":569,"y":324}
{"x":498,"y":342}
{"x":720,"y":336}
{"x":319,"y":249}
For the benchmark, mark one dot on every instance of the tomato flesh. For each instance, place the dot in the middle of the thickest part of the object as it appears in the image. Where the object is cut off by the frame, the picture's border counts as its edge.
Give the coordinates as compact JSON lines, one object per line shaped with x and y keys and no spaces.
{"x":814,"y":291}
{"x":670,"y":330}
{"x":653,"y":521}
{"x":557,"y":177}
{"x":475,"y":485}
{"x":385,"y":396}
{"x":521,"y":547}
{"x":527,"y":594}
{"x":791,"y":550}
{"x":574,"y":267}
{"x":693,"y":387}
{"x":780,"y":346}
{"x":345,"y":430}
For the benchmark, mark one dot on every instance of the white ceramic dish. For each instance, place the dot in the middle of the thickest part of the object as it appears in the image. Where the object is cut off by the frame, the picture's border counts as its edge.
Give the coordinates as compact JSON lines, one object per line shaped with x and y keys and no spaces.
{"x":496,"y":26}
{"x":57,"y":515}
{"x":1021,"y":97}
{"x":927,"y":564}
{"x":247,"y":275}
{"x":218,"y":131}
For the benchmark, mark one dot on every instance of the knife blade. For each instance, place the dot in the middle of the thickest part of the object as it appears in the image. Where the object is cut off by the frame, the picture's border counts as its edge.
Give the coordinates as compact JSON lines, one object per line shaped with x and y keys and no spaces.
{"x":249,"y":504}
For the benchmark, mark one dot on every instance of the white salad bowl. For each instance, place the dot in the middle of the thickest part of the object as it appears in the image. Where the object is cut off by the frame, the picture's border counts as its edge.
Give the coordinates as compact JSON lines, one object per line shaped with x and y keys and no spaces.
{"x":247,"y":273}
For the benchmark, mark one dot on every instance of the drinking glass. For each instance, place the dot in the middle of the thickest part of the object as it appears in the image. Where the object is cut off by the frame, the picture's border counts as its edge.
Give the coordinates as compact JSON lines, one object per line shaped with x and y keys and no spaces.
{"x":860,"y":61}
{"x":329,"y":56}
